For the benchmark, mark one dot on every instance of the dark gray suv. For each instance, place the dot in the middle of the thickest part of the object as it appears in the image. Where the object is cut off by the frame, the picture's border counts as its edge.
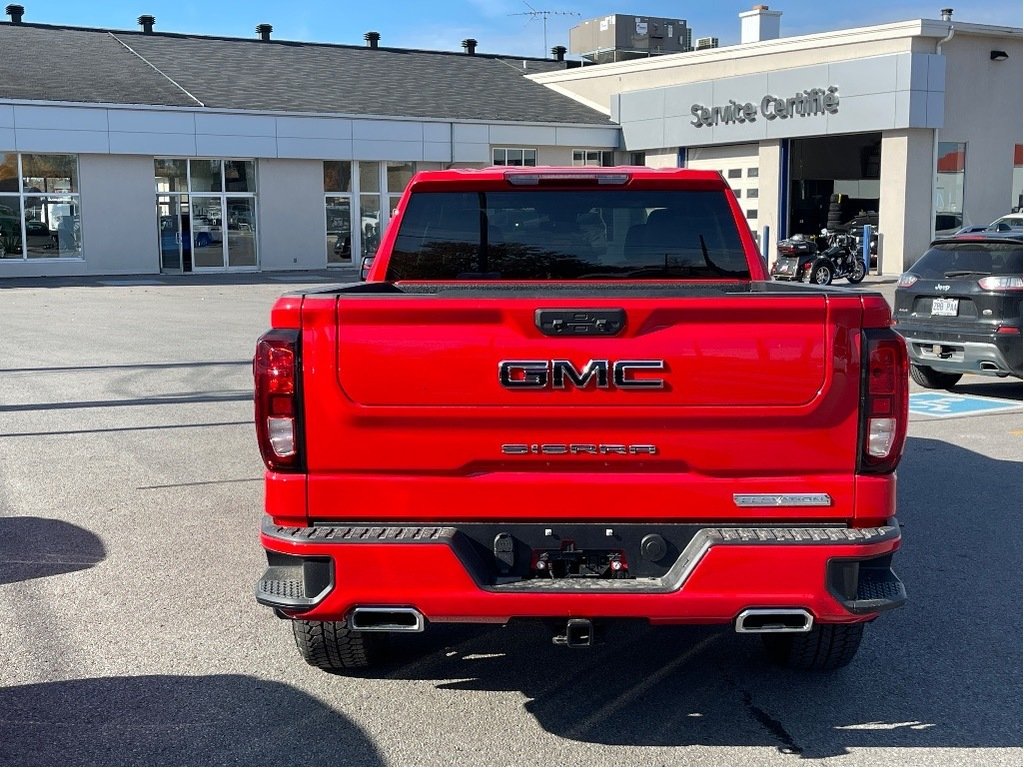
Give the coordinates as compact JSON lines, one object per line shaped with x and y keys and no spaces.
{"x":959,"y":309}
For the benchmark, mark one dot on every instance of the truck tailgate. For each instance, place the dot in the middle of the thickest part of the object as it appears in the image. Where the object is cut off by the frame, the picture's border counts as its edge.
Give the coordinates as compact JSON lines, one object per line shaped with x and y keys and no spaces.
{"x":760,"y":396}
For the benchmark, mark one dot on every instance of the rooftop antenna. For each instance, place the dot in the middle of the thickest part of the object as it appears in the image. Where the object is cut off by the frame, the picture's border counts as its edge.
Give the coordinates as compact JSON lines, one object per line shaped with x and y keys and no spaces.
{"x":534,"y":14}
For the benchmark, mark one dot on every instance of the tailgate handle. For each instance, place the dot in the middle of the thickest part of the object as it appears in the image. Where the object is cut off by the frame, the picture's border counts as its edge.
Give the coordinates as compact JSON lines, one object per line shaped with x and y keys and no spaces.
{"x":580,"y":322}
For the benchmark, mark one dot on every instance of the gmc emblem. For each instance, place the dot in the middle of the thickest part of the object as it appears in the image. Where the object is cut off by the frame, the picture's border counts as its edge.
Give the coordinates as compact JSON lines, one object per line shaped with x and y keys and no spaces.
{"x":562,"y":374}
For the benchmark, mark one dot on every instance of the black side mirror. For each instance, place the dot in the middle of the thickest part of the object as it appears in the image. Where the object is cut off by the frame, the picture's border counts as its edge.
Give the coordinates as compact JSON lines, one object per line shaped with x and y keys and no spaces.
{"x":364,"y":269}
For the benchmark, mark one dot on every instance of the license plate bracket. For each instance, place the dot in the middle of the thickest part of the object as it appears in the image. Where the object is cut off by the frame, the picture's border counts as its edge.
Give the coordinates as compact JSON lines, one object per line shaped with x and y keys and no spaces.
{"x":944,"y":307}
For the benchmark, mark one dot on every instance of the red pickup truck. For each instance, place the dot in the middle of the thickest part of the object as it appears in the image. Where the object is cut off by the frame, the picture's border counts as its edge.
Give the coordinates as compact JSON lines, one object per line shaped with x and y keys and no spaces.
{"x":573,"y":395}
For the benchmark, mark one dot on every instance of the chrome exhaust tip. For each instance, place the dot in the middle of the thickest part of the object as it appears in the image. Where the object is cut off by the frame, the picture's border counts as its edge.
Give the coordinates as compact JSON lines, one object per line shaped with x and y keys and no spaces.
{"x":765,"y":620}
{"x":385,"y":619}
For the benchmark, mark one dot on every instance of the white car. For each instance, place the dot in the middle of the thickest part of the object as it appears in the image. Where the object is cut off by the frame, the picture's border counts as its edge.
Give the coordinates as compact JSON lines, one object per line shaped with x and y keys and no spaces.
{"x":1011,"y":222}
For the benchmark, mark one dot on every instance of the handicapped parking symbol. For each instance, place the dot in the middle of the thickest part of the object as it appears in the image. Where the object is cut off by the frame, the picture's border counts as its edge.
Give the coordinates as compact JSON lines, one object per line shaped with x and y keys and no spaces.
{"x":943,"y":405}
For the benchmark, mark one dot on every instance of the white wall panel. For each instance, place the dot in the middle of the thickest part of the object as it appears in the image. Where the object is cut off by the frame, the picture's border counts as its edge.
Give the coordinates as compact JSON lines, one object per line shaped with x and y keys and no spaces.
{"x":6,"y":116}
{"x":7,"y":139}
{"x":387,"y":130}
{"x":860,"y":77}
{"x":587,"y":137}
{"x":437,"y":132}
{"x":317,"y":149}
{"x":465,"y":152}
{"x":38,"y":140}
{"x":125,"y":143}
{"x":236,"y":146}
{"x":788,"y":82}
{"x":387,"y":150}
{"x":140,"y":121}
{"x":63,"y":118}
{"x":861,"y":114}
{"x":472,"y":133}
{"x":437,"y":151}
{"x":522,"y":135}
{"x":314,"y":127}
{"x":119,"y":223}
{"x":291,"y":226}
{"x":235,"y":125}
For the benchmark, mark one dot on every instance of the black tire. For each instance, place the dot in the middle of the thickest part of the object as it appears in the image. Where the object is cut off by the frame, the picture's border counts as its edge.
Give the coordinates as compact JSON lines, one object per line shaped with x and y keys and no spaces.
{"x":825,"y":647}
{"x":328,"y":645}
{"x":821,"y":273}
{"x":858,"y":272}
{"x":929,"y":378}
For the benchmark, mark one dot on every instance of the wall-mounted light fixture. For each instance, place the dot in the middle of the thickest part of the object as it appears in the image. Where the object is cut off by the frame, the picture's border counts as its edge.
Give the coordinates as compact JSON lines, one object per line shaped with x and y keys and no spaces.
{"x":998,"y":55}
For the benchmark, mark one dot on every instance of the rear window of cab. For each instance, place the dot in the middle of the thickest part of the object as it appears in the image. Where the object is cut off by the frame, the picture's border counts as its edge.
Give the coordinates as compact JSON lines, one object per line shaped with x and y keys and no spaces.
{"x":552,"y":234}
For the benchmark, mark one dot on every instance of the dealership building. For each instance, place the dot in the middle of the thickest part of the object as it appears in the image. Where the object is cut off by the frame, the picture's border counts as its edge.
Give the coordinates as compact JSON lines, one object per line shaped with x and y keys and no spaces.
{"x":143,"y":152}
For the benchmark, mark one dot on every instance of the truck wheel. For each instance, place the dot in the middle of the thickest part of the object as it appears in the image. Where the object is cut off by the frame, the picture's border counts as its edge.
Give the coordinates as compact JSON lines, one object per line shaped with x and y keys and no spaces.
{"x":825,"y":647}
{"x":929,"y":378}
{"x":331,"y":647}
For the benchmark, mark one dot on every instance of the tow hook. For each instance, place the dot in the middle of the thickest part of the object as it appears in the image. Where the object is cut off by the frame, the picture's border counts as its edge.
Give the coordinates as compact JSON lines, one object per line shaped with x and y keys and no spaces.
{"x":579,"y":633}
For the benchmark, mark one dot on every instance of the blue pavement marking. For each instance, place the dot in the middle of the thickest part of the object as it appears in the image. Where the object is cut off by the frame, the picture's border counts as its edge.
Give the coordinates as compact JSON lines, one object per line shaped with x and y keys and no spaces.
{"x":946,"y":405}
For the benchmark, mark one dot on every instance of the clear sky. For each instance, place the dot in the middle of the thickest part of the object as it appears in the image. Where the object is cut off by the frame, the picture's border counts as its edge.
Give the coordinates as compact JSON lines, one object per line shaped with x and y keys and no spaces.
{"x":497,"y":24}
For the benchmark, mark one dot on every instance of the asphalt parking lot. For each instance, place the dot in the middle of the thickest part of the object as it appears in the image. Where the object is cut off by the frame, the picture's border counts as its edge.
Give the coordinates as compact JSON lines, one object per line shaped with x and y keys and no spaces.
{"x":130,"y":495}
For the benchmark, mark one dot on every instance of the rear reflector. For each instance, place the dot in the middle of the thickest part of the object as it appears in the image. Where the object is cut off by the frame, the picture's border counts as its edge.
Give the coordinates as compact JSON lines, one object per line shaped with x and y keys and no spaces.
{"x":885,"y":400}
{"x":1008,"y":330}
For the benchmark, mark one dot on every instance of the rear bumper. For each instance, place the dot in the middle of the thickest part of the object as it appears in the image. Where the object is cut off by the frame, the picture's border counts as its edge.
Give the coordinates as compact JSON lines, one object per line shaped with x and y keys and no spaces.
{"x":988,"y":354}
{"x":838,"y":574}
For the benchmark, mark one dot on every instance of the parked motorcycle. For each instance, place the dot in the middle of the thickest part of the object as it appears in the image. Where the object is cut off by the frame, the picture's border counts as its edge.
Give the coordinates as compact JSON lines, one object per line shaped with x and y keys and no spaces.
{"x":819,"y":261}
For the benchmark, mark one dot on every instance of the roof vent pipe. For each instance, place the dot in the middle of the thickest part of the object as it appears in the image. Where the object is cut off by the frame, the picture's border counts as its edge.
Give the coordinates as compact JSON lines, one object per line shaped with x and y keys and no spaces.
{"x":15,"y":12}
{"x":946,"y":14}
{"x":264,"y":30}
{"x":559,"y":52}
{"x":372,"y":39}
{"x":470,"y":45}
{"x":147,"y":22}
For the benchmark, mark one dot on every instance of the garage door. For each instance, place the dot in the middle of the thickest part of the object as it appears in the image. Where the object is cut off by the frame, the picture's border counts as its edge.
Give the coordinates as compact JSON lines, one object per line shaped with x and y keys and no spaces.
{"x":738,"y":163}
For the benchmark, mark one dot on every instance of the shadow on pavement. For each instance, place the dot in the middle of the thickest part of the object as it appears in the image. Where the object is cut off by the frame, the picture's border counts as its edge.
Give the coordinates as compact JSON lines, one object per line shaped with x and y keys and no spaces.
{"x":35,"y":547}
{"x":1004,"y":389}
{"x":171,"y":720}
{"x":942,"y":672}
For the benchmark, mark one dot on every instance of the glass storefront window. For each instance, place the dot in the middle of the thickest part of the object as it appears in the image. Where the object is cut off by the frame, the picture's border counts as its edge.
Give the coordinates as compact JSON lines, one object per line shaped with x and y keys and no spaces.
{"x":369,"y":177}
{"x":207,"y":218}
{"x":597,"y":157}
{"x":171,"y":175}
{"x":205,"y":175}
{"x":240,"y":175}
{"x":370,"y":224}
{"x":39,"y":208}
{"x":49,"y":173}
{"x":514,"y":156}
{"x":8,"y":172}
{"x":950,"y":169}
{"x":337,"y":176}
{"x":10,"y":225}
{"x":399,"y":175}
{"x":339,"y":229}
{"x":52,"y":227}
{"x":241,"y":231}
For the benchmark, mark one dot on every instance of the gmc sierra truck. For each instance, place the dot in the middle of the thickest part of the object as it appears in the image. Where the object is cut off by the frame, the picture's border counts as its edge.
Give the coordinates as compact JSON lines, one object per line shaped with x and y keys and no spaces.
{"x":574,"y":395}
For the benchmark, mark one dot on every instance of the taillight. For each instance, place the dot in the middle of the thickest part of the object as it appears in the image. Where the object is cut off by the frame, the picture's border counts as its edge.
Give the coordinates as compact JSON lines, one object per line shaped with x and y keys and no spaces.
{"x":1001,"y":283}
{"x":885,"y":399}
{"x":278,"y":404}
